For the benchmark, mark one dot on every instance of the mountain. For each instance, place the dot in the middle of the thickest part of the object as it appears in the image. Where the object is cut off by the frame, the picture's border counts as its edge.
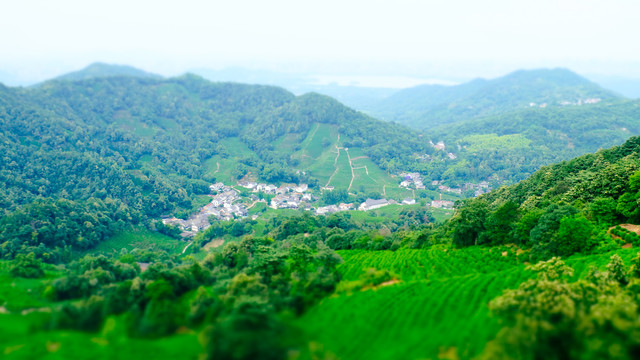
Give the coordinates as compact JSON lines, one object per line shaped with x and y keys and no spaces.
{"x":560,"y":208}
{"x":99,"y":69}
{"x":156,"y":144}
{"x":511,"y":146}
{"x":432,"y":105}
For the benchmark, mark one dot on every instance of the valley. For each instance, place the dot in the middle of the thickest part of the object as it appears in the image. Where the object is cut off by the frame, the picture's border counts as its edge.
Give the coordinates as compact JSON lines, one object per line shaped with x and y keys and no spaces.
{"x":196,"y":219}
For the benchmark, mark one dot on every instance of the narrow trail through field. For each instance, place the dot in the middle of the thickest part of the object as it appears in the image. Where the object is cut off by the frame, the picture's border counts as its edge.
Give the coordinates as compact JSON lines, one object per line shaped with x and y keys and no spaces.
{"x":384,"y":190}
{"x":353,"y":175}
{"x":331,"y":177}
{"x":335,"y":161}
{"x":217,"y":167}
{"x":255,"y":202}
{"x":186,"y":247}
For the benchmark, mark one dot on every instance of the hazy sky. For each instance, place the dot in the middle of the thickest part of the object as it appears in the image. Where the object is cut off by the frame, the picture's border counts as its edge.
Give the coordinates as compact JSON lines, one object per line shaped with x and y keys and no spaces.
{"x":445,"y":38}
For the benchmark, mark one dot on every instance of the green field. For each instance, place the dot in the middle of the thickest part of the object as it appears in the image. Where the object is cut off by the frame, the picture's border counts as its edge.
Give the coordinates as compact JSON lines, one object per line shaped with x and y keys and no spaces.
{"x":342,"y":175}
{"x":321,"y":154}
{"x":437,"y":309}
{"x":140,"y":238}
{"x":226,"y":170}
{"x":19,"y":342}
{"x":417,"y":265}
{"x":20,"y":293}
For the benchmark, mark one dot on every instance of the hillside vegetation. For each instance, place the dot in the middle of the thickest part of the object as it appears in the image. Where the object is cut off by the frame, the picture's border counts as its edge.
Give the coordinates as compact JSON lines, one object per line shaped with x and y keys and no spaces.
{"x":150,"y":147}
{"x":426,"y":106}
{"x":511,"y":146}
{"x":543,"y":269}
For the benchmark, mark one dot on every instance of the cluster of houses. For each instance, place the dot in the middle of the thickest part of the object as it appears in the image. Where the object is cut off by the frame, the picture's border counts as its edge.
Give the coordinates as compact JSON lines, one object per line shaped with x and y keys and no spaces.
{"x":412,"y":180}
{"x":226,"y":201}
{"x":294,"y":200}
{"x":569,"y":103}
{"x":272,"y":189}
{"x":225,"y":204}
{"x":442,"y":204}
{"x":478,"y":189}
{"x":369,"y":204}
{"x":326,"y":210}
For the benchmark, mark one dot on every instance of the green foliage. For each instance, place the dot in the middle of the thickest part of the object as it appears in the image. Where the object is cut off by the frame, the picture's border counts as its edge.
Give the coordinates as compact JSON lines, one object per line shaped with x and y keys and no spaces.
{"x":168,"y":230}
{"x":574,"y":235}
{"x":47,"y":227}
{"x":27,"y":266}
{"x":552,"y":318}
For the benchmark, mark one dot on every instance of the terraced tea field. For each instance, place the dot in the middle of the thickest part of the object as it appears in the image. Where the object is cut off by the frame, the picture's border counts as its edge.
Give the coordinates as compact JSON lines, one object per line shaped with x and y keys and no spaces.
{"x":416,"y":265}
{"x":440,"y":307}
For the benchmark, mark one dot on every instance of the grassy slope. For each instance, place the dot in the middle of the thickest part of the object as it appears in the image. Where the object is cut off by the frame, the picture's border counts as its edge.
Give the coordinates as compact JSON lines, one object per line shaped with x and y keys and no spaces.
{"x":440,"y":305}
{"x":140,"y":238}
{"x":237,"y":150}
{"x":19,"y":342}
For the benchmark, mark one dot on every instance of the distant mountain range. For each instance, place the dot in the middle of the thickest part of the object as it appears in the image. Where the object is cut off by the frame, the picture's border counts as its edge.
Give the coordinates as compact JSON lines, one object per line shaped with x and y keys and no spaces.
{"x":426,"y":106}
{"x":99,"y":69}
{"x":119,"y":132}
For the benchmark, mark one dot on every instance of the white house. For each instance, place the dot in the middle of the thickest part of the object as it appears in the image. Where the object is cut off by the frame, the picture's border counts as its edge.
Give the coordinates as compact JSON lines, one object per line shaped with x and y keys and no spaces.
{"x":371,"y":204}
{"x":408,"y":201}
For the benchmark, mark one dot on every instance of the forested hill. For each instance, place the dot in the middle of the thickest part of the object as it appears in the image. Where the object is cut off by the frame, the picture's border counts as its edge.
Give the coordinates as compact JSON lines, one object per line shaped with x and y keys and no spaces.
{"x":99,"y":69}
{"x":155,"y":144}
{"x":511,"y":146}
{"x":604,"y":174}
{"x":561,"y":209}
{"x":426,"y":106}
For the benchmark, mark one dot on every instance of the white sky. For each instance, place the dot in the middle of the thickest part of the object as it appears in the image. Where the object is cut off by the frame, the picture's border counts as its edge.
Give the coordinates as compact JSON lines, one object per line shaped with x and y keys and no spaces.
{"x":443,"y":38}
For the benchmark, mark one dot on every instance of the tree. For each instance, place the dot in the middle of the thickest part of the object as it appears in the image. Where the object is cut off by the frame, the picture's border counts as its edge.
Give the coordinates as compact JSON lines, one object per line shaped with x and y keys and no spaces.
{"x":551,"y":318}
{"x":604,"y":211}
{"x":500,"y":224}
{"x":574,"y":235}
{"x":27,"y":266}
{"x":468,"y":223}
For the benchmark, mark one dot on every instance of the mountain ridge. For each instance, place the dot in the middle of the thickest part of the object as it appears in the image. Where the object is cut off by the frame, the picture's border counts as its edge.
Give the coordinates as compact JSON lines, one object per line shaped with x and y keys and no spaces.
{"x":431,"y":105}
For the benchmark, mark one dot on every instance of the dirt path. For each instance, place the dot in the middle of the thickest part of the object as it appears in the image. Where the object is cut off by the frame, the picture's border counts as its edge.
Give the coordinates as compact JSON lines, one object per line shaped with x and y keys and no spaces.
{"x":631,"y":227}
{"x":217,"y":167}
{"x":255,"y":202}
{"x":186,"y":247}
{"x":335,"y":161}
{"x":384,"y":190}
{"x":331,"y":177}
{"x":353,"y":174}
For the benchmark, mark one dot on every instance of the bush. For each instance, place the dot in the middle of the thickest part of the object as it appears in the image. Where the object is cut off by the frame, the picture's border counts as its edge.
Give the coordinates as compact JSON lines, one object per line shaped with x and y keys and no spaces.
{"x":27,"y":266}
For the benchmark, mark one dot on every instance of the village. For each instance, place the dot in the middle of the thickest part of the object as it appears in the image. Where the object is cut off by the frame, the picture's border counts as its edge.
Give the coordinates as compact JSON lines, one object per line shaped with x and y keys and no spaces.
{"x":415,"y":181}
{"x":227,"y":203}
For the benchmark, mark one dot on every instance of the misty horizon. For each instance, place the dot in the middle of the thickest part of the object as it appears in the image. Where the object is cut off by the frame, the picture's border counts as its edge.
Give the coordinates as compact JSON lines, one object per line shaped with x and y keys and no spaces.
{"x":451,"y":42}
